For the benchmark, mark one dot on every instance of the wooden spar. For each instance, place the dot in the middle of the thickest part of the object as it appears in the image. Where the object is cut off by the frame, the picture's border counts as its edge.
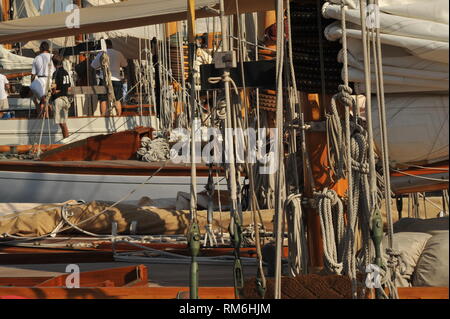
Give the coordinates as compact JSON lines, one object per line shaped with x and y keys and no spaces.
{"x":78,"y":37}
{"x":191,"y":21}
{"x":6,"y":10}
{"x":171,"y":29}
{"x":270,"y":18}
{"x":120,"y":168}
{"x":424,"y":179}
{"x":316,"y":147}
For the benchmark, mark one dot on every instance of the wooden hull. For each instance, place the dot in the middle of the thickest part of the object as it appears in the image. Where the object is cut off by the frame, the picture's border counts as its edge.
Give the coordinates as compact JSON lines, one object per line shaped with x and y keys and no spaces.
{"x":48,"y":182}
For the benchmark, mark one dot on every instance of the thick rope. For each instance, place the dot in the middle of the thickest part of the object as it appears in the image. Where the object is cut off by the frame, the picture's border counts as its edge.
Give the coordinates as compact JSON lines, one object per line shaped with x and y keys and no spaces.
{"x":154,"y":150}
{"x":331,"y":212}
{"x":298,"y":258}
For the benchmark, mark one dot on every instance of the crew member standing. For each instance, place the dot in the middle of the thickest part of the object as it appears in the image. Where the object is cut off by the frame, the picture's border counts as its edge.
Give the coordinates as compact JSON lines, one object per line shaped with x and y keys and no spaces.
{"x":41,"y":70}
{"x":60,"y":87}
{"x":4,"y":88}
{"x":116,"y":61}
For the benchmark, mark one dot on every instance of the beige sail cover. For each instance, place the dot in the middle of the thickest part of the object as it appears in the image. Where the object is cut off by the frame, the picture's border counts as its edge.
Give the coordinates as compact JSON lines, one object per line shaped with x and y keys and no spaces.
{"x":45,"y":219}
{"x":128,"y":14}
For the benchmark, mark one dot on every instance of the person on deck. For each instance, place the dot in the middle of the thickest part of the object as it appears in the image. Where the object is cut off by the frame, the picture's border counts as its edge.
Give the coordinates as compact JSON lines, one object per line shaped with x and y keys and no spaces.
{"x":116,"y":61}
{"x":41,"y":70}
{"x":59,"y":98}
{"x":4,"y":88}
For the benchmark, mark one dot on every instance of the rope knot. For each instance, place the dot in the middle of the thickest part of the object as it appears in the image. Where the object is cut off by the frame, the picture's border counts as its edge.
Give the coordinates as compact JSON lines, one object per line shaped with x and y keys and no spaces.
{"x":345,"y":95}
{"x":327,"y":194}
{"x":361,"y":167}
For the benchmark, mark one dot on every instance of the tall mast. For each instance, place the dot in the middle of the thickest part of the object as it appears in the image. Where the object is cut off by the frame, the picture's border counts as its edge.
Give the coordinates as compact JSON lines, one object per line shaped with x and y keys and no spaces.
{"x":78,"y":37}
{"x":6,"y":16}
{"x":194,"y":231}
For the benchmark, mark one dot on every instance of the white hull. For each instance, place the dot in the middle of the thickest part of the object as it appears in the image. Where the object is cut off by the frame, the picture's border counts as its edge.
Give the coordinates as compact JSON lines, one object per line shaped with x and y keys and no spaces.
{"x":26,"y":187}
{"x":30,"y":131}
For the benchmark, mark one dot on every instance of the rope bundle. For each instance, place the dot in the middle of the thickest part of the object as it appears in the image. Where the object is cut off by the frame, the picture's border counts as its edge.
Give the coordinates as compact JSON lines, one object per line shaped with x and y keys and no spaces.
{"x":331,"y":212}
{"x":154,"y":150}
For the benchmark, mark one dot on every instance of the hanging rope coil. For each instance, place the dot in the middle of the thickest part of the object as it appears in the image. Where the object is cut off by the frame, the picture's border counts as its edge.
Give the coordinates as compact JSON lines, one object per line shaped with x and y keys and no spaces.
{"x":298,"y":259}
{"x":331,"y":212}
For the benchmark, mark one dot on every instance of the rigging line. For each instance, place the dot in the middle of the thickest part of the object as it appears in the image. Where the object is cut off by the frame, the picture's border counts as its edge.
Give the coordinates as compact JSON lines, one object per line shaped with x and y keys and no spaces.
{"x":321,"y":53}
{"x":421,"y":177}
{"x":253,"y":44}
{"x":425,"y":198}
{"x":279,"y":123}
{"x":220,"y":205}
{"x":378,"y":64}
{"x":293,"y":95}
{"x":185,"y":91}
{"x":436,"y":140}
{"x":425,"y":167}
{"x":253,"y":203}
{"x":383,"y":127}
{"x":183,"y":79}
{"x":368,"y":94}
{"x":352,"y":217}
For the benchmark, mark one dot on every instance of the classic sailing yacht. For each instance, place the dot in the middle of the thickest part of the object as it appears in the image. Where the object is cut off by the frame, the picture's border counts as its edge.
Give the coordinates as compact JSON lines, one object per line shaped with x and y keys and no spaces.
{"x":331,"y":130}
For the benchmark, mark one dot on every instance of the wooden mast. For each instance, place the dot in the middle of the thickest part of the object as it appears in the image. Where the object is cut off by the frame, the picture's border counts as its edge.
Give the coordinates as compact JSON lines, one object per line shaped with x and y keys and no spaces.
{"x":317,"y":150}
{"x":6,"y":16}
{"x":171,"y":29}
{"x":78,"y":37}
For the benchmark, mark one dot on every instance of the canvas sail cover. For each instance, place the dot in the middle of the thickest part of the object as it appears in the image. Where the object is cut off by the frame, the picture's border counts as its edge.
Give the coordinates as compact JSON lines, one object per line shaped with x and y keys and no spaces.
{"x":13,"y":63}
{"x":414,"y":37}
{"x":128,"y":14}
{"x":97,"y":217}
{"x":417,"y":126}
{"x":414,"y":40}
{"x":24,"y":9}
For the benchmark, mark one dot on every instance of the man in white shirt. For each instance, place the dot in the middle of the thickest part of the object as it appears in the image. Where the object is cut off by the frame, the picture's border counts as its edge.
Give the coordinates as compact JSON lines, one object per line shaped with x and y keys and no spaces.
{"x":116,"y":61}
{"x":41,"y":70}
{"x":4,"y":88}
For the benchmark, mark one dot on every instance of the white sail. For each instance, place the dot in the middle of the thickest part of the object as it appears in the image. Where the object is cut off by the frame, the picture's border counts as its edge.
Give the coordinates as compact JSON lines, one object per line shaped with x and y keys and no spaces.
{"x":13,"y":63}
{"x":414,"y":37}
{"x":24,"y":9}
{"x":417,"y":126}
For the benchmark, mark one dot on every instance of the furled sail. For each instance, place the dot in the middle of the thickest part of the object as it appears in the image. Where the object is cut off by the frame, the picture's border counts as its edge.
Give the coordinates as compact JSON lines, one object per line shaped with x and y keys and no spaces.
{"x":414,"y":40}
{"x":12,"y":63}
{"x":128,"y":14}
{"x":24,"y":9}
